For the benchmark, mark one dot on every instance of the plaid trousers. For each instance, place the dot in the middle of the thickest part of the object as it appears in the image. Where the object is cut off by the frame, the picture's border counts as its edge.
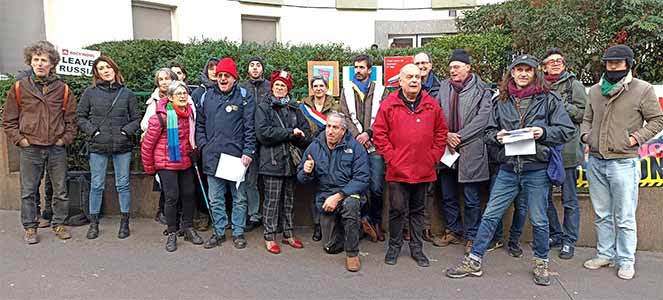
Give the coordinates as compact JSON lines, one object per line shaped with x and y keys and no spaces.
{"x":278,"y":205}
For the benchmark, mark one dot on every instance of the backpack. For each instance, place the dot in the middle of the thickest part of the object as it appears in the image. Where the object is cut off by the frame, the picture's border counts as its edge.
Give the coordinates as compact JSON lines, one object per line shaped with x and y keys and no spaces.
{"x":17,"y":92}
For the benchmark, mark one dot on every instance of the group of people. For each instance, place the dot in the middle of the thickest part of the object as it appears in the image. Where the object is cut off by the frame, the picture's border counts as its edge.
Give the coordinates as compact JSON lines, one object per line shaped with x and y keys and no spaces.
{"x":353,"y":150}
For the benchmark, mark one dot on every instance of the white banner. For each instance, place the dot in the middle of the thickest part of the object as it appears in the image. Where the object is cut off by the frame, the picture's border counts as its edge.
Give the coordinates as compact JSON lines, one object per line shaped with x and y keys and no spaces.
{"x":76,"y":62}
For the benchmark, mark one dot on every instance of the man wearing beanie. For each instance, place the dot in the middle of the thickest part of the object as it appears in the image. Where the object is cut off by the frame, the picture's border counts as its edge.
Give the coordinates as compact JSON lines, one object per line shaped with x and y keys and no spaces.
{"x":360,"y":102}
{"x":224,"y":125}
{"x":465,"y":100}
{"x":573,"y":96}
{"x":612,"y":127}
{"x":526,"y":105}
{"x":259,"y":88}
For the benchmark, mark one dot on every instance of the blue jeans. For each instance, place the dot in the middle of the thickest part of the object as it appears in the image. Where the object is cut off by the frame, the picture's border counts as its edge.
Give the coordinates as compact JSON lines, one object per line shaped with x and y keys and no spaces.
{"x":252,"y":194}
{"x":451,"y":204}
{"x":534,"y":187}
{"x":571,"y":212}
{"x":376,"y":166}
{"x":98,"y":166}
{"x":217,"y":197}
{"x":518,"y":221}
{"x":613,"y":190}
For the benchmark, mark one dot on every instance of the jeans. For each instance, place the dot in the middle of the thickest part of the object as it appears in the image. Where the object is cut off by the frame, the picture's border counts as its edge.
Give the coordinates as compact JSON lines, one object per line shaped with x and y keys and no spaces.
{"x":252,"y":194}
{"x":451,"y":205}
{"x":571,"y":212}
{"x":405,"y":198}
{"x":33,"y":161}
{"x":534,"y":187}
{"x":98,"y":166}
{"x":376,"y":166}
{"x":341,"y":227}
{"x":613,"y":190}
{"x":517,"y":222}
{"x":48,"y":195}
{"x":217,"y":197}
{"x":178,"y":189}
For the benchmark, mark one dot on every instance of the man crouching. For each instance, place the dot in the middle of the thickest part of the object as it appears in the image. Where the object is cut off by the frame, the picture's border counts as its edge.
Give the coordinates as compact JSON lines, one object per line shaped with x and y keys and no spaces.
{"x":339,"y":164}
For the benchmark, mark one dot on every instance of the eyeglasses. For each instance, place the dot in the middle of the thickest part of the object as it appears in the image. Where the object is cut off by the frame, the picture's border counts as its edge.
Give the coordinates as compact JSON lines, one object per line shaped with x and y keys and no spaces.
{"x":557,"y":61}
{"x":181,"y":94}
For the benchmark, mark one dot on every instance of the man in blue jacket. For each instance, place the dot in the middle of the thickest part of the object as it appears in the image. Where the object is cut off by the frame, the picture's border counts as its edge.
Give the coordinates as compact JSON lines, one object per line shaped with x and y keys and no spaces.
{"x":224,"y":124}
{"x":339,"y":164}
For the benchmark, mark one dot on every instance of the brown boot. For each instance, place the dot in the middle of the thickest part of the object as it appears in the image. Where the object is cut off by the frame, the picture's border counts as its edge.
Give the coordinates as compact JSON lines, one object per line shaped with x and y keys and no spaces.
{"x":369,"y":230}
{"x":31,"y":236}
{"x":468,"y":246}
{"x":446,"y":239}
{"x":427,"y":235}
{"x":352,"y":264}
{"x":61,"y":232}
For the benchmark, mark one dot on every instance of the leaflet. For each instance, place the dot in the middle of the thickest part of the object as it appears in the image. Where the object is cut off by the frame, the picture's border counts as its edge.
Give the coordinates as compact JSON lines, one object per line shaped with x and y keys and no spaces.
{"x":519,"y":142}
{"x":449,"y":158}
{"x":230,"y":168}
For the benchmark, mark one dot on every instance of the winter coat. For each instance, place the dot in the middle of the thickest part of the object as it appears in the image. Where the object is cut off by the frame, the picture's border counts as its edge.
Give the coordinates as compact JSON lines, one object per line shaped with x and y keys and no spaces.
{"x":115,"y":134}
{"x":410,"y":142}
{"x":610,"y":121}
{"x":364,"y":109}
{"x":42,"y":118}
{"x":259,"y":88}
{"x":545,"y":110}
{"x":474,"y":105}
{"x":330,"y":105}
{"x":343,"y":169}
{"x":154,"y":149}
{"x":225,"y":125}
{"x":275,"y":158}
{"x":573,"y":96}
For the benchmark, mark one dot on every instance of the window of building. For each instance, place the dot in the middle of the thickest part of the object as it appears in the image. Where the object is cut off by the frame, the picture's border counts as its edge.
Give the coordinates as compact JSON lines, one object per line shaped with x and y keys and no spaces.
{"x":152,"y":21}
{"x":261,"y":30}
{"x":411,"y":41}
{"x":452,"y":13}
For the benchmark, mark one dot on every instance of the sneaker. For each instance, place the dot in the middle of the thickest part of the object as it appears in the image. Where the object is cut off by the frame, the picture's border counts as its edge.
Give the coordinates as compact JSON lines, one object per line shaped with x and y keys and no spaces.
{"x":626,"y":272}
{"x":597,"y":263}
{"x":448,"y":238}
{"x":61,"y":232}
{"x":567,"y":252}
{"x":541,"y":272}
{"x":466,"y":267}
{"x":515,"y":250}
{"x":495,"y":245}
{"x":31,"y":236}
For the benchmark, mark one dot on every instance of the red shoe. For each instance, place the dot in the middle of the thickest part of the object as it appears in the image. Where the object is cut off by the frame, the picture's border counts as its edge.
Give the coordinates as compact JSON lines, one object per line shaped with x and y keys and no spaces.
{"x":293,"y":242}
{"x":272,"y":247}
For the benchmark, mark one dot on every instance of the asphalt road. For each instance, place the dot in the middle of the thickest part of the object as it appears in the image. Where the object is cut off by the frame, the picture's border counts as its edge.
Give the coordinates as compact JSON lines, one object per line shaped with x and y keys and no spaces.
{"x":140,"y":268}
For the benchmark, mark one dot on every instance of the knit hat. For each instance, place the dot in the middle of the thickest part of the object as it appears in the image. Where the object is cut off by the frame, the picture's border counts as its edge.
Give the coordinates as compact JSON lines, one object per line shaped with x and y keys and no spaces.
{"x":283,"y":76}
{"x":255,"y":58}
{"x":525,"y":59}
{"x":461,"y":56}
{"x":227,"y":65}
{"x":619,"y":52}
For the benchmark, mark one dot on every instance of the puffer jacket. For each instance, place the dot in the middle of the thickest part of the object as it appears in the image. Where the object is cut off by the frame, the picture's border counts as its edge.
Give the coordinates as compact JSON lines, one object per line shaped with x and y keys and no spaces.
{"x":546,"y":111}
{"x":154,"y":149}
{"x":275,"y":159}
{"x":343,"y":169}
{"x":115,"y":134}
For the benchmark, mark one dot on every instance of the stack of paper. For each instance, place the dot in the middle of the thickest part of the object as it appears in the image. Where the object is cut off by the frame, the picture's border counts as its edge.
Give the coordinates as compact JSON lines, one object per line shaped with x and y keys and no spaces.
{"x":519,"y":142}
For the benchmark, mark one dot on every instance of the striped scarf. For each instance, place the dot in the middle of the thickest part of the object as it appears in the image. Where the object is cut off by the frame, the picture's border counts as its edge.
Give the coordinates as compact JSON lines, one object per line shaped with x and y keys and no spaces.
{"x":173,"y":134}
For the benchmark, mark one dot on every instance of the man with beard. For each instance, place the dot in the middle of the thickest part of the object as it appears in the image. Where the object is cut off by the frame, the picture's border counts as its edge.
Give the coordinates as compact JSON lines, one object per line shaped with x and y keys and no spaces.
{"x":360,"y":102}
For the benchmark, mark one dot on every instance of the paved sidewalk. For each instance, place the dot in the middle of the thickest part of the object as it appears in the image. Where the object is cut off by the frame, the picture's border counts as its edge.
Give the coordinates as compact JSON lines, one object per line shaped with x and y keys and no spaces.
{"x":140,"y":268}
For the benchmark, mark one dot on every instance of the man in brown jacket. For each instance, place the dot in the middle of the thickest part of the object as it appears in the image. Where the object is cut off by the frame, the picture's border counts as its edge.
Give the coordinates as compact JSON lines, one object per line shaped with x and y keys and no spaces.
{"x":613,"y":127}
{"x":39,"y":119}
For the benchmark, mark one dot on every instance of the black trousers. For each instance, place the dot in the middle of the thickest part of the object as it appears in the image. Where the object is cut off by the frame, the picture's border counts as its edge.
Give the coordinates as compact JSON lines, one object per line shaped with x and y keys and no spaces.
{"x":341,"y":227}
{"x":404,"y":199}
{"x":178,"y":189}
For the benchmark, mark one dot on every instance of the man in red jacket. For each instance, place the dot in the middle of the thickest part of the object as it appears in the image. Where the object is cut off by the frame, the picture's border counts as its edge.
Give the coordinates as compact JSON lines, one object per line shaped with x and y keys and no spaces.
{"x":410,"y":132}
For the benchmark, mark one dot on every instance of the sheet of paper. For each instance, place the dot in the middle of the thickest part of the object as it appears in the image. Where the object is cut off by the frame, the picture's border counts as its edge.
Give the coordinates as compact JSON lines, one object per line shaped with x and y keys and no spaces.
{"x":449,"y":158}
{"x":522,"y":147}
{"x":518,"y":135}
{"x":230,"y":168}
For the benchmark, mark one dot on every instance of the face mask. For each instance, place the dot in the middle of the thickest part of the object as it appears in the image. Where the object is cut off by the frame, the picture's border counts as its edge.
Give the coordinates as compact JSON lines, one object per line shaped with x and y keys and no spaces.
{"x":615,"y":76}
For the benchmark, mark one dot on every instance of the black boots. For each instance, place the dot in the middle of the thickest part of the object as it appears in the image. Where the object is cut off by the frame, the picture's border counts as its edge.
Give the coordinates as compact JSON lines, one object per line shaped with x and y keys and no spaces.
{"x":171,"y":243}
{"x":317,"y":233}
{"x":192,"y":236}
{"x":93,"y":230}
{"x":124,"y":227}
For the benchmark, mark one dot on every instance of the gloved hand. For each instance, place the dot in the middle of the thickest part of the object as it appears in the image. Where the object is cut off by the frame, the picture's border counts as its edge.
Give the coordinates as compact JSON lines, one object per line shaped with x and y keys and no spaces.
{"x":194,"y":155}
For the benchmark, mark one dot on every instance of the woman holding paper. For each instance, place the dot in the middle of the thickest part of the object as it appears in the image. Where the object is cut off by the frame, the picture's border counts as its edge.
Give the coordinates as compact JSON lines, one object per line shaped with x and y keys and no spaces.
{"x":281,"y":128}
{"x":166,"y":150}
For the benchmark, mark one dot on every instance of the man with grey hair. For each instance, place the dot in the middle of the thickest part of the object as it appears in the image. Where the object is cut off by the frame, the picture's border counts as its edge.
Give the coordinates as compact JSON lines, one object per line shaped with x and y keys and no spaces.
{"x":339,"y":164}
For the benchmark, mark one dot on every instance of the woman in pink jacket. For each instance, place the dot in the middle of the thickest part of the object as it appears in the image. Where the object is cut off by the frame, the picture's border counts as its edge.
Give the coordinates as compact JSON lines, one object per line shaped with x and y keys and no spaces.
{"x":167,"y":149}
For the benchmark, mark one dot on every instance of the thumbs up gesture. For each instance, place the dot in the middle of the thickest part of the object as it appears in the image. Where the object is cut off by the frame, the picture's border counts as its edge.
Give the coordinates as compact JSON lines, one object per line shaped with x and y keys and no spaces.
{"x":309,"y":164}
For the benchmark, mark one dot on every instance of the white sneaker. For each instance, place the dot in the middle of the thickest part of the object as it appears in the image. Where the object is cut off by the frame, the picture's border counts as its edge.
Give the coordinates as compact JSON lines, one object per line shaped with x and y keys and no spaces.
{"x":626,"y":272}
{"x":597,"y":262}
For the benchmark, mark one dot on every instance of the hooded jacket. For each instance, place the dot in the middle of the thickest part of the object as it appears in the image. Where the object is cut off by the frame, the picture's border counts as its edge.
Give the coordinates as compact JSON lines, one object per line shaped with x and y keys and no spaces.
{"x":205,"y":84}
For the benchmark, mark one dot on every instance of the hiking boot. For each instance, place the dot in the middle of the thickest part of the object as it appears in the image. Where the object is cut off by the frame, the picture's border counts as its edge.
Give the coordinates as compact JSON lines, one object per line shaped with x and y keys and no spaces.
{"x":515,"y":250}
{"x":171,"y":242}
{"x":369,"y":230}
{"x":541,"y":272}
{"x":31,"y":236}
{"x":427,"y":235}
{"x":61,"y":232}
{"x":392,"y":255}
{"x":214,"y":241}
{"x":495,"y":245}
{"x":192,"y":236}
{"x":446,"y":239}
{"x":468,"y":246}
{"x":597,"y":263}
{"x":352,"y":264}
{"x":239,"y":241}
{"x":626,"y":272}
{"x":93,"y":230}
{"x":420,"y":258}
{"x":317,"y":233}
{"x":43,"y":223}
{"x":467,"y":267}
{"x":567,"y":252}
{"x":123,"y":233}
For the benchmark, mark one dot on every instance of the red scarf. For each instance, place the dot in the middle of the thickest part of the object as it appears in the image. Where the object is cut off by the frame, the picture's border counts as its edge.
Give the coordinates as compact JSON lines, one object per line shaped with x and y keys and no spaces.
{"x":454,"y":112}
{"x":552,"y":78}
{"x":182,"y":113}
{"x":525,"y":92}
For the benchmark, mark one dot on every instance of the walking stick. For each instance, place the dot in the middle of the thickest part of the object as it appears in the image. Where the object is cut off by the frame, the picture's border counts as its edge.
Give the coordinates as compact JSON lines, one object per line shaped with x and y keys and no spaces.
{"x":202,"y":188}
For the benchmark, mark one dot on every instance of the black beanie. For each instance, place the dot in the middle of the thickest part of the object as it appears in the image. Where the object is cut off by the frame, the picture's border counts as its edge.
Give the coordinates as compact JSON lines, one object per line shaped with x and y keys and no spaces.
{"x":461,"y":56}
{"x":255,"y":58}
{"x":619,"y":52}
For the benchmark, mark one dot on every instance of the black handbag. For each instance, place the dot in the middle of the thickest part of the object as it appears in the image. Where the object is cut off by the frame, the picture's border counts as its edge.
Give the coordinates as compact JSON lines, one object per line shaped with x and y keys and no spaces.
{"x":295,"y":152}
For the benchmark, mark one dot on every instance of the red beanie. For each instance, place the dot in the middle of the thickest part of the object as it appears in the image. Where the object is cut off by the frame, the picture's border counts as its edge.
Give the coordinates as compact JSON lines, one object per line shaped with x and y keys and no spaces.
{"x":227,"y":65}
{"x":283,"y":76}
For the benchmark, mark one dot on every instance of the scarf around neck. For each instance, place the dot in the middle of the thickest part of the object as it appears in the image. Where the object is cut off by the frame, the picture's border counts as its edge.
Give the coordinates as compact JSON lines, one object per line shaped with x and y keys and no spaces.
{"x":173,"y":132}
{"x":609,"y":89}
{"x":43,"y":82}
{"x":555,"y":78}
{"x":362,"y":87}
{"x":429,"y":81}
{"x":525,"y":92}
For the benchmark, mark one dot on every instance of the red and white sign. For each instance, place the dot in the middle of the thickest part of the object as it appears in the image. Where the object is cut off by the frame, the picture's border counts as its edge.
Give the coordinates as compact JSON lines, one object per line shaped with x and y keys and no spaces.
{"x":392,"y":68}
{"x":76,"y":61}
